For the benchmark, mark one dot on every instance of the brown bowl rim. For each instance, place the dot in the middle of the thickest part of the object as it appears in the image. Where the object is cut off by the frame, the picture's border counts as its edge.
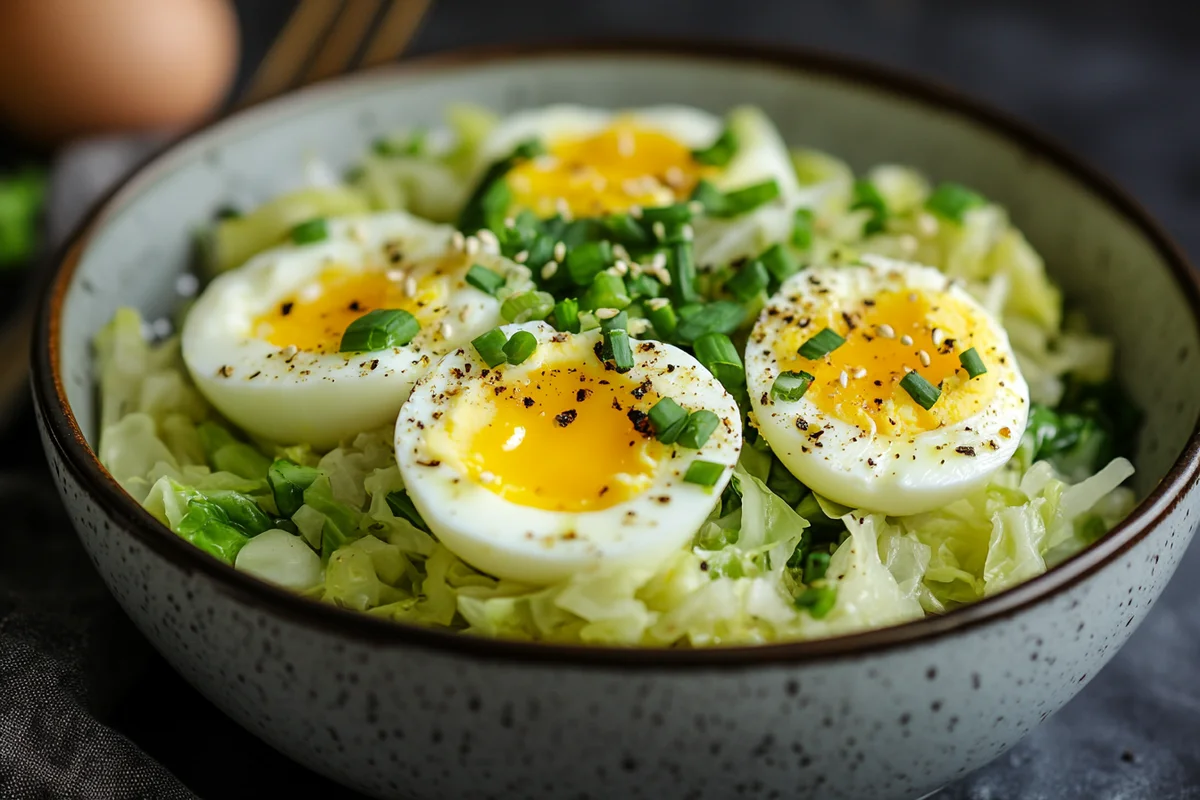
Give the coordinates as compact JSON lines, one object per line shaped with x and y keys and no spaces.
{"x":77,"y":456}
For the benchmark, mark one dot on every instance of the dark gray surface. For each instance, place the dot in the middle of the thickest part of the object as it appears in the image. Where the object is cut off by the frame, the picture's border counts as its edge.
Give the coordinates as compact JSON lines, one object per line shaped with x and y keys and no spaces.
{"x":1117,"y":81}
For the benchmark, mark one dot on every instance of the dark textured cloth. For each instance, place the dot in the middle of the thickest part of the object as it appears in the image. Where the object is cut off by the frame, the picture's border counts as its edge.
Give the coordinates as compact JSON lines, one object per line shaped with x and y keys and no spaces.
{"x":88,"y":711}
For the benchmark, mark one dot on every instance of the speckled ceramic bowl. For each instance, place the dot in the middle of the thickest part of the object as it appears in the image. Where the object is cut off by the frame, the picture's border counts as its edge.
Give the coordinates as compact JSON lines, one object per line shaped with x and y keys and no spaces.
{"x":396,"y":711}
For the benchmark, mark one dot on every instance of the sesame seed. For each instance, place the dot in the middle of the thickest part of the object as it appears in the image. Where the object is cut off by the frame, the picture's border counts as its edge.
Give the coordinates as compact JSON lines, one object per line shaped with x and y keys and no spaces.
{"x":861,"y":372}
{"x":620,"y":252}
{"x":625,"y":144}
{"x":289,"y":352}
{"x":606,"y":313}
{"x":663,"y":276}
{"x":696,"y":207}
{"x":687,"y":232}
{"x":621,"y":268}
{"x":635,"y":211}
{"x":844,"y":379}
{"x":549,"y":269}
{"x":886,"y":331}
{"x":471,"y":245}
{"x":458,"y":241}
{"x":906,"y":340}
{"x":447,"y":329}
{"x":410,"y":286}
{"x":488,"y":239}
{"x":660,"y":230}
{"x":487,"y":477}
{"x":659,"y":261}
{"x":655,"y":303}
{"x":907,"y":369}
{"x":396,"y":275}
{"x":674,"y":177}
{"x":638,"y":326}
{"x":560,"y":251}
{"x":509,"y":222}
{"x":310,"y":293}
{"x":560,"y":205}
{"x":924,"y":358}
{"x":521,"y":257}
{"x":939,"y":336}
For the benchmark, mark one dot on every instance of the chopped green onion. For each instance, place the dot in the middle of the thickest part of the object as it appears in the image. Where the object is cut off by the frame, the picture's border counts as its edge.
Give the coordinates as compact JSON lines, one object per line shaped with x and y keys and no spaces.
{"x":566,"y":315}
{"x":704,"y":473}
{"x":741,"y":201}
{"x":402,"y":506}
{"x":972,"y":363}
{"x":288,"y":481}
{"x":920,"y":390}
{"x":802,"y":229}
{"x":720,"y":316}
{"x":699,"y":426}
{"x":716,"y":352}
{"x":822,"y":344}
{"x":310,"y":232}
{"x":489,"y":201}
{"x":490,"y":347}
{"x":748,"y":281}
{"x":484,"y":279}
{"x":710,"y":198}
{"x":791,"y":386}
{"x":618,"y":349}
{"x":673,"y":214}
{"x":779,"y":263}
{"x":681,"y":264}
{"x":520,"y":347}
{"x":494,"y":205}
{"x":586,"y":261}
{"x":643,"y":286}
{"x":819,"y":600}
{"x":815,"y":566}
{"x":607,"y":291}
{"x":668,"y":419}
{"x":720,"y":152}
{"x":527,"y":306}
{"x":664,"y":320}
{"x":952,"y":201}
{"x":618,"y":322}
{"x":867,"y":196}
{"x":627,"y":230}
{"x":379,"y":330}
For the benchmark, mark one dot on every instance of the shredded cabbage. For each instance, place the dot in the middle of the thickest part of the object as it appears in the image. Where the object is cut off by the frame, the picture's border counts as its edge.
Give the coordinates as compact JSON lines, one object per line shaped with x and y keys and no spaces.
{"x":772,"y":562}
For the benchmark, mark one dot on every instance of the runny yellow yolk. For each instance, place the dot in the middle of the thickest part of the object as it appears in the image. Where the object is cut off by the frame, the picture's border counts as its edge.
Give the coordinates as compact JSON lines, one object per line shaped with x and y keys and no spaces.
{"x":875,"y":396}
{"x":573,"y":439}
{"x":314,"y":319}
{"x":608,"y":172}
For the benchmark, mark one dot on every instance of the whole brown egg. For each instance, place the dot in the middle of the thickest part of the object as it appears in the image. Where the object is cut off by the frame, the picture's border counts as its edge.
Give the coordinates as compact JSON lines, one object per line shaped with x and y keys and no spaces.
{"x":74,"y":67}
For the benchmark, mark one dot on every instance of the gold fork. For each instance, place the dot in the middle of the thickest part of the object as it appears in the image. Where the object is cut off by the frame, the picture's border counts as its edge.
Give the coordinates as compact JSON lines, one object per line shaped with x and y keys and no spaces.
{"x":323,"y":38}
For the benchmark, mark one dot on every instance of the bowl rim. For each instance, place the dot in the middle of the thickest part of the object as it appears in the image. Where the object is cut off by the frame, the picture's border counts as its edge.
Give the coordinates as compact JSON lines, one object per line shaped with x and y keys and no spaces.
{"x":64,"y":434}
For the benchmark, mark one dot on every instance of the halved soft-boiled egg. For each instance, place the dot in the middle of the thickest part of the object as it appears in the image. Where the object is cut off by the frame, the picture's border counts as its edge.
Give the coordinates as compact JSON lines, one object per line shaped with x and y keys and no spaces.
{"x":538,"y":470}
{"x":885,"y":386}
{"x":601,"y":162}
{"x":264,"y":342}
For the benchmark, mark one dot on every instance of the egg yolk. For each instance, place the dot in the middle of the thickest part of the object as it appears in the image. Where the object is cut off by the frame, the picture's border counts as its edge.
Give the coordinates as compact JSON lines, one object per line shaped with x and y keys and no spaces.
{"x":887,"y":335}
{"x":606,"y":173}
{"x":566,"y":439}
{"x":314,"y":318}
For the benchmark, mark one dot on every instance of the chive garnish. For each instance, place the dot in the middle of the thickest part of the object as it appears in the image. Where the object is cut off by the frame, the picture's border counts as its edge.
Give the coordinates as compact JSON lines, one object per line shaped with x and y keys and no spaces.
{"x":720,"y":316}
{"x":527,"y":306}
{"x":586,"y":261}
{"x":779,"y":263}
{"x":748,"y":281}
{"x":490,"y":347}
{"x":310,"y":232}
{"x":379,"y":330}
{"x":674,"y":214}
{"x":606,"y":291}
{"x":681,"y":264}
{"x":484,"y":279}
{"x":922,"y":391}
{"x":716,"y":352}
{"x":710,"y":197}
{"x":627,"y":230}
{"x":489,"y":201}
{"x":972,"y":363}
{"x":720,"y":152}
{"x":618,"y":349}
{"x":703,"y":473}
{"x":822,"y":344}
{"x":802,"y":229}
{"x":618,"y":322}
{"x":867,"y":196}
{"x":791,"y":386}
{"x":520,"y":347}
{"x":952,"y":201}
{"x":699,"y":426}
{"x":816,"y":564}
{"x":819,"y":600}
{"x":741,"y":201}
{"x":566,"y":315}
{"x":643,"y":286}
{"x":668,"y":419}
{"x":664,"y":320}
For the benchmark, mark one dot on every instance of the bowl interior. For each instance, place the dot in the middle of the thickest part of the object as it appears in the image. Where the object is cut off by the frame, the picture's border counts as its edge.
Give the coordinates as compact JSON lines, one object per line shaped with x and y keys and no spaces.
{"x":1108,"y":265}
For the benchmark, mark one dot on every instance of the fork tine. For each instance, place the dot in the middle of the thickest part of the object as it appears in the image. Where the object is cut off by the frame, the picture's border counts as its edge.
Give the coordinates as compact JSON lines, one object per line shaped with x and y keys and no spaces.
{"x":284,"y":63}
{"x":344,"y":40}
{"x":394,"y":32}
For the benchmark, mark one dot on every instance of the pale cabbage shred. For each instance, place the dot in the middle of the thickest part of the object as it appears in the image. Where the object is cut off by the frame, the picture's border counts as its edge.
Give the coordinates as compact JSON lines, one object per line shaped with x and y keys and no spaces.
{"x":888,"y":570}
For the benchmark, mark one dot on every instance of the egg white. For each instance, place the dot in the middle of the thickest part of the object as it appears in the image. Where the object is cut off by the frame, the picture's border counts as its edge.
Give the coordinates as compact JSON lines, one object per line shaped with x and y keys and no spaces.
{"x":314,"y":398}
{"x":900,"y":474}
{"x":540,"y":546}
